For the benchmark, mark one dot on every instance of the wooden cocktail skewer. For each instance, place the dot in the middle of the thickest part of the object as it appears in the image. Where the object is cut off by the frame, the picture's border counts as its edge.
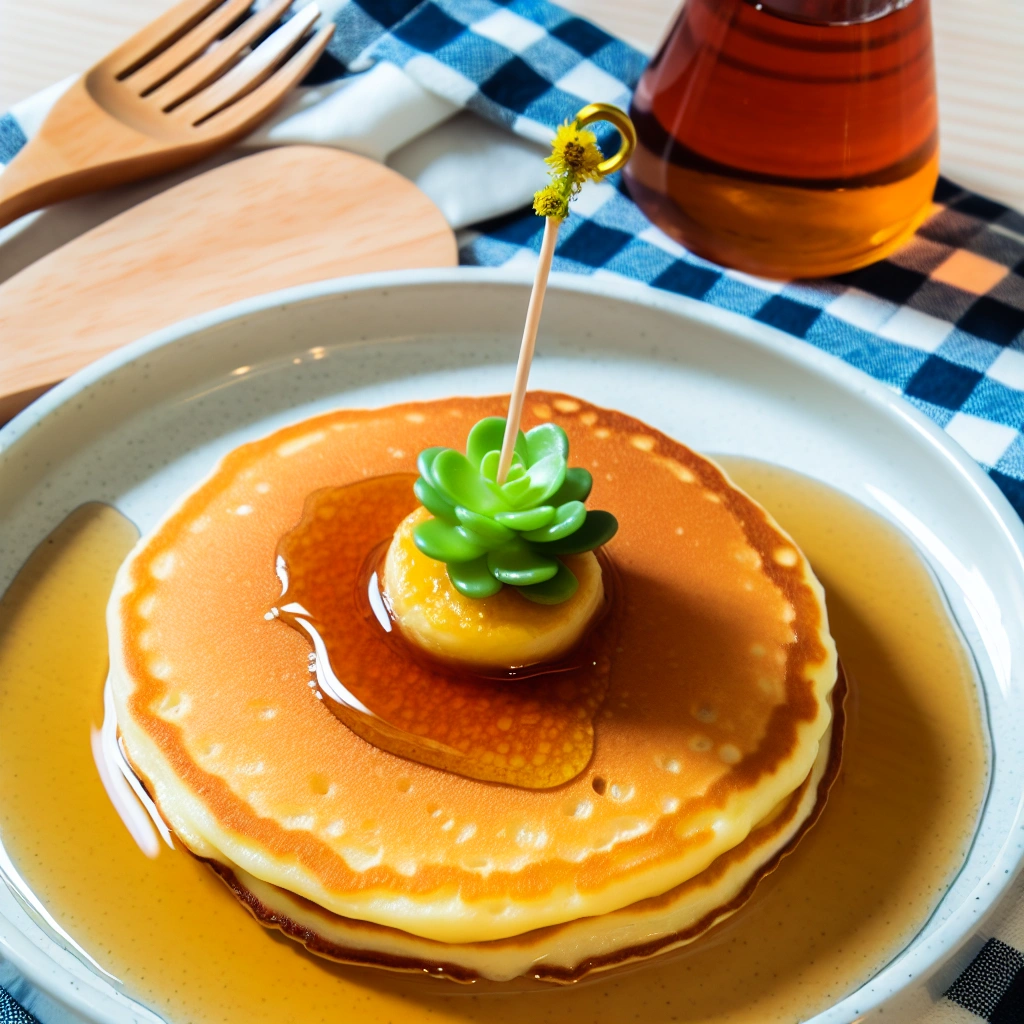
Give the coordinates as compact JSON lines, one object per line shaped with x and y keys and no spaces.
{"x":569,"y":182}
{"x":527,"y":346}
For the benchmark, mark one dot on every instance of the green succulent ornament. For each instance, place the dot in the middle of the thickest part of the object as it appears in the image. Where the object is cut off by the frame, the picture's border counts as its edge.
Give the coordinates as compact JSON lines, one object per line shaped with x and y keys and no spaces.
{"x":491,"y":535}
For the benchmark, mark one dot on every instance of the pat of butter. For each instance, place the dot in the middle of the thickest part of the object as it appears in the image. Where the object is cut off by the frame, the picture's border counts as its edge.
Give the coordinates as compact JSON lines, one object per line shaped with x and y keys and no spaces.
{"x":503,"y":631}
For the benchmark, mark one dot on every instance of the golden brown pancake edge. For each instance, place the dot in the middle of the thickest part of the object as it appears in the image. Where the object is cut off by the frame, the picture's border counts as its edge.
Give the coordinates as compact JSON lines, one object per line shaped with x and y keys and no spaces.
{"x":221,"y":805}
{"x":440,"y":960}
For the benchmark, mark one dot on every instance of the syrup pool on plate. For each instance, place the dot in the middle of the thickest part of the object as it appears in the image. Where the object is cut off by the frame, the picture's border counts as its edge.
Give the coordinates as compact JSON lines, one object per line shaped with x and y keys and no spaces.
{"x":858,"y":887}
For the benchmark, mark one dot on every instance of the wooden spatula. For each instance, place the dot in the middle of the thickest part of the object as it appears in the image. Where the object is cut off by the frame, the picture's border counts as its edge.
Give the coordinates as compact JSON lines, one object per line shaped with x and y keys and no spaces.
{"x":283,"y":217}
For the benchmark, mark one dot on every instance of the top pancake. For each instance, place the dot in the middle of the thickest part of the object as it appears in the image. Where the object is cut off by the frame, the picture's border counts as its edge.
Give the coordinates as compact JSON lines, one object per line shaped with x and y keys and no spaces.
{"x":717,"y":700}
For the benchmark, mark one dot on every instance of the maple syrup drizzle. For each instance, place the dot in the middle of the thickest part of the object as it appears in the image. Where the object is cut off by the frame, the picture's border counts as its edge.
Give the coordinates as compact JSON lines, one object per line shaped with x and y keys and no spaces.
{"x":531,"y":727}
{"x":858,"y":887}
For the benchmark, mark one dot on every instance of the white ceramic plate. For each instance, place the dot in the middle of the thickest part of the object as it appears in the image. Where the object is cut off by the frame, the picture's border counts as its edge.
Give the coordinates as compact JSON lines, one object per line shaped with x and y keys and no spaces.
{"x":144,"y":424}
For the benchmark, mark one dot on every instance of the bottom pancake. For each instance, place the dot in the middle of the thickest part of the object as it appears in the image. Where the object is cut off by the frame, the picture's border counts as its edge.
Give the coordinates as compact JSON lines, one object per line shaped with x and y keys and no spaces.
{"x":711,"y":716}
{"x":567,"y":952}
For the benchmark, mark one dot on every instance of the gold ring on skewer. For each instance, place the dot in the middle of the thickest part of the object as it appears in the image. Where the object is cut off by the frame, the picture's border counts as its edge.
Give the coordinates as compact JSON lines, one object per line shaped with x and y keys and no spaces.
{"x":618,"y":118}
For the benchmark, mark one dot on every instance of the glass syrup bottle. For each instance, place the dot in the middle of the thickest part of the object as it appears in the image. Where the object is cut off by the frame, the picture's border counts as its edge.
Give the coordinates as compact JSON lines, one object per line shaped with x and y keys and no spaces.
{"x":789,"y":138}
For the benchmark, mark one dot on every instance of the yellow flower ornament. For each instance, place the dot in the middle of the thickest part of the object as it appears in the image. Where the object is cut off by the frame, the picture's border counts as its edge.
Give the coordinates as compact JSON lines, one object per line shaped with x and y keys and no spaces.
{"x":576,"y":158}
{"x":574,"y":152}
{"x":551,"y":202}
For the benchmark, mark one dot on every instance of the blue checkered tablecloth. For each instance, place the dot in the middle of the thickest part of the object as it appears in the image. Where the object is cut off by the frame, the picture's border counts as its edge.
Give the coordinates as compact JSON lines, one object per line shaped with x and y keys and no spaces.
{"x":941,"y":321}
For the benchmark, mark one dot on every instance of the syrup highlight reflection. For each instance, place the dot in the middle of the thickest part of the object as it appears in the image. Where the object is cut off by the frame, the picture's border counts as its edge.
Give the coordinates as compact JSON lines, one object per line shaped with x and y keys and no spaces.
{"x":532,"y":727}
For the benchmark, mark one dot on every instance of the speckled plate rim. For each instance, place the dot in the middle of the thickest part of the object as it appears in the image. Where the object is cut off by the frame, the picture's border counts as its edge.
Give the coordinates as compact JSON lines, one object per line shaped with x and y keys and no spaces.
{"x":920,"y":973}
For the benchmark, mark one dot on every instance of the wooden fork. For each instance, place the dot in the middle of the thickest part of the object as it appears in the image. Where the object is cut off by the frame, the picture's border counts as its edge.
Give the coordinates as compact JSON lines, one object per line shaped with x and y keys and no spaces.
{"x":189,"y":83}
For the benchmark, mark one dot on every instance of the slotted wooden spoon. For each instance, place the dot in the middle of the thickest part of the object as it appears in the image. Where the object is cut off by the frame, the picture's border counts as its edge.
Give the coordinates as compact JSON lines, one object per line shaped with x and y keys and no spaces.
{"x":189,"y":83}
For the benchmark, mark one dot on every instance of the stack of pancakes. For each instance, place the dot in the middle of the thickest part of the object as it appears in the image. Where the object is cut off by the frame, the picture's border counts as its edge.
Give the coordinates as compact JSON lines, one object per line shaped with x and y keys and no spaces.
{"x":713,"y":750}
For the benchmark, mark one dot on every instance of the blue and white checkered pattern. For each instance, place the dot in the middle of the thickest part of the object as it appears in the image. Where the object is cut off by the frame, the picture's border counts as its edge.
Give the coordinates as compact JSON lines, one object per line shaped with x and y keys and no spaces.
{"x":941,"y":321}
{"x":526,"y":64}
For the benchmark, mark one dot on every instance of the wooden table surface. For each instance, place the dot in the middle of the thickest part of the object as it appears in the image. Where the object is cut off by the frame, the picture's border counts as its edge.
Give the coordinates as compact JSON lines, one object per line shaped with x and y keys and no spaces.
{"x":979,"y":50}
